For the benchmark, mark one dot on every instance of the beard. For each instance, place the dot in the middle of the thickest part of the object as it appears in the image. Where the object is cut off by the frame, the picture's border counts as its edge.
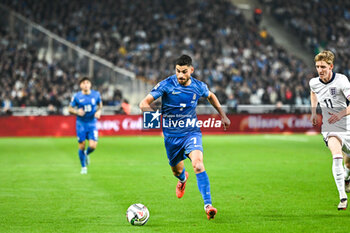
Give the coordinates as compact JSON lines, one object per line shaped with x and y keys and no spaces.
{"x":183,"y":80}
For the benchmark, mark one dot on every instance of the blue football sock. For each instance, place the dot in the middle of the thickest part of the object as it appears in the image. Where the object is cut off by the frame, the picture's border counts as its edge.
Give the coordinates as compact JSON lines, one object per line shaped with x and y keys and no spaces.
{"x":204,"y":186}
{"x":82,"y":158}
{"x":89,"y":150}
{"x":182,"y":176}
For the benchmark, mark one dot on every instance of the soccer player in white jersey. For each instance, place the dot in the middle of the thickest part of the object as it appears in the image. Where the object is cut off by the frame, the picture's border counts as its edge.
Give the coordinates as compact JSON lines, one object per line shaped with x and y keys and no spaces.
{"x":332,"y":91}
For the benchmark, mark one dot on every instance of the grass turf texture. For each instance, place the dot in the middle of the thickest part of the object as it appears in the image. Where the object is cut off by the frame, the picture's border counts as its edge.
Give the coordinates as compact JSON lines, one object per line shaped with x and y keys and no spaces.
{"x":262,"y":183}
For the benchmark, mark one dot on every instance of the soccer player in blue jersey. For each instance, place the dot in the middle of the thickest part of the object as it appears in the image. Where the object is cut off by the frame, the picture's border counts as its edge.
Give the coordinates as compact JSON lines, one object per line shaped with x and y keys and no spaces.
{"x":180,"y":94}
{"x":87,"y":106}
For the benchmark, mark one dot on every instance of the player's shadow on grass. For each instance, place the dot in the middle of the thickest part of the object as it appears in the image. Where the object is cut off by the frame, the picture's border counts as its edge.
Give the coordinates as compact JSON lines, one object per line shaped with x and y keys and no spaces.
{"x":282,"y":217}
{"x":279,"y":217}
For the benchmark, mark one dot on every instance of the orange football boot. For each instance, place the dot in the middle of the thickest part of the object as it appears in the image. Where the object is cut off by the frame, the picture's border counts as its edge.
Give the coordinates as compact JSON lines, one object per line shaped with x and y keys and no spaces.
{"x":180,"y":187}
{"x":211,"y":211}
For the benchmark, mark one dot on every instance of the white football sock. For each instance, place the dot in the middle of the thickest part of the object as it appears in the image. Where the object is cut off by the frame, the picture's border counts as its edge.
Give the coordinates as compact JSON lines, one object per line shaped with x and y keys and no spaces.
{"x":205,"y":206}
{"x":338,"y":174}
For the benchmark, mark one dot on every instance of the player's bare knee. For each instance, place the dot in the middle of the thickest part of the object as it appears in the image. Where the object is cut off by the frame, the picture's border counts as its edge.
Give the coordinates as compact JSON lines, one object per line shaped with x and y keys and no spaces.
{"x":176,"y":172}
{"x":347,"y":165}
{"x":198,"y":166}
{"x":347,"y":161}
{"x":82,"y":146}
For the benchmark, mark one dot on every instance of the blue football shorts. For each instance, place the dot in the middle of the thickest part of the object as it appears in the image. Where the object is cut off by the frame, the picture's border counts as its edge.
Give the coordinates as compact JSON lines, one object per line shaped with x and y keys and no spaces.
{"x":178,"y":148}
{"x":86,"y":131}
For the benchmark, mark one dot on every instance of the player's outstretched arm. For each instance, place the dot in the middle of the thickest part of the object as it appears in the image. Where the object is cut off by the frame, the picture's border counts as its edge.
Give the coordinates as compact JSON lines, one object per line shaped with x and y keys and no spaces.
{"x":314,"y":102}
{"x":145,"y":104}
{"x":213,"y":100}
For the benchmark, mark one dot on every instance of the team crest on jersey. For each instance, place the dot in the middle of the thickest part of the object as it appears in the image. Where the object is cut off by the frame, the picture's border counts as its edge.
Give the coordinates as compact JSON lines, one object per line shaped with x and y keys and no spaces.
{"x":194,"y":96}
{"x":333,"y":91}
{"x":93,"y":101}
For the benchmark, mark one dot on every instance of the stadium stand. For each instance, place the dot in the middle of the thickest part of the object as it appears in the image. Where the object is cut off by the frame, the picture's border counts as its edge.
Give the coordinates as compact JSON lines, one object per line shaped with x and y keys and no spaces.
{"x":239,"y":61}
{"x":319,"y":25}
{"x":27,"y":80}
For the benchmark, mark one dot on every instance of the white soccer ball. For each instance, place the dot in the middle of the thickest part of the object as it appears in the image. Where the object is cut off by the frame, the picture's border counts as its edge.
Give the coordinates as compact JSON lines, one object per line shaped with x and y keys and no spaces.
{"x":137,"y":214}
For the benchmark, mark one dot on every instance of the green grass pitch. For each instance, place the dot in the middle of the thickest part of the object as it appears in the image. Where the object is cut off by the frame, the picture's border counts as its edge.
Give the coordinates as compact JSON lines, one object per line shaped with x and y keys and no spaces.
{"x":259,"y":183}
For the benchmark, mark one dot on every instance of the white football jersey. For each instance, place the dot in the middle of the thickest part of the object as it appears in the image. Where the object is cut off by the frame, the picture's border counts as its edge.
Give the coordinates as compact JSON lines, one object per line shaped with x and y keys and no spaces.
{"x":332,"y":97}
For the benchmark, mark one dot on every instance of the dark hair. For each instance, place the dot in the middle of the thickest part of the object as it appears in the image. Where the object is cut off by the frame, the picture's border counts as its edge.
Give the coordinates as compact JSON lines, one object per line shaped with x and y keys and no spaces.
{"x":84,"y":79}
{"x":184,"y":60}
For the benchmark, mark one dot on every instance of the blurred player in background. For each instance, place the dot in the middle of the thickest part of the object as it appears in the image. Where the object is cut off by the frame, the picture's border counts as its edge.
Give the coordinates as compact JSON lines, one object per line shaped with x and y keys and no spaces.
{"x":332,"y":91}
{"x":87,"y":106}
{"x":180,"y":94}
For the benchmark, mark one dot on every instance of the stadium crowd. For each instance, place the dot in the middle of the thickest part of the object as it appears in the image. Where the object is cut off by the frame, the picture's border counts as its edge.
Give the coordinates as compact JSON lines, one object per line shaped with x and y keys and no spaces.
{"x":319,"y":25}
{"x":27,"y":80}
{"x":239,"y":61}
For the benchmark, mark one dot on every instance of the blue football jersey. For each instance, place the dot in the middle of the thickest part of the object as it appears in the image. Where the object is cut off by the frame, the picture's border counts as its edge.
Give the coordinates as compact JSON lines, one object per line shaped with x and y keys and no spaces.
{"x":179,"y":105}
{"x":88,"y":103}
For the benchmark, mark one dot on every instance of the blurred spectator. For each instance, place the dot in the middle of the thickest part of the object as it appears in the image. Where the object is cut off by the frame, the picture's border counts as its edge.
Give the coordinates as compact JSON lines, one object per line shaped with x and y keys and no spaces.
{"x":265,"y":98}
{"x":278,"y":108}
{"x":6,"y":105}
{"x":232,"y":104}
{"x":126,"y":107}
{"x":289,"y":96}
{"x":52,"y":110}
{"x":257,"y":15}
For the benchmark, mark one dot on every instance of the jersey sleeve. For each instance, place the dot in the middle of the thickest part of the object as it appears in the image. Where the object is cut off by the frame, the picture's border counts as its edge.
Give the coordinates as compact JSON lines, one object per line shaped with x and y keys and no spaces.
{"x":159,"y":89}
{"x":98,"y":99}
{"x":204,"y":90}
{"x":73,"y":101}
{"x":346,"y":87}
{"x":310,"y":85}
